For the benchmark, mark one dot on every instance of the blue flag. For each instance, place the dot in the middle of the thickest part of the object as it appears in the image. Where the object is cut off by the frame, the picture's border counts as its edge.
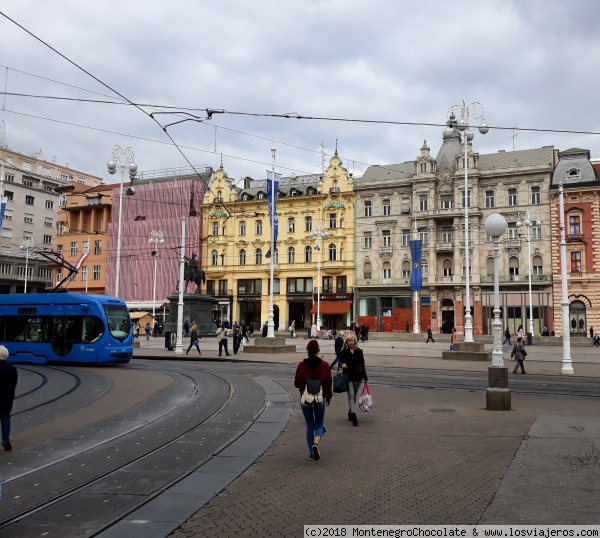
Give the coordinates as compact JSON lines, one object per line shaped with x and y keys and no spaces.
{"x":272,"y":188}
{"x":416,"y":277}
{"x":2,"y":209}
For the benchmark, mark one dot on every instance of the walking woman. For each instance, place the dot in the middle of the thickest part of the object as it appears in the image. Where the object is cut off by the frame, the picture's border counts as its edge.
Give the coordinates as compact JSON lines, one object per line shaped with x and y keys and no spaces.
{"x":520,"y":333}
{"x":519,"y":354}
{"x":313,"y":367}
{"x":194,"y":339}
{"x":353,"y":362}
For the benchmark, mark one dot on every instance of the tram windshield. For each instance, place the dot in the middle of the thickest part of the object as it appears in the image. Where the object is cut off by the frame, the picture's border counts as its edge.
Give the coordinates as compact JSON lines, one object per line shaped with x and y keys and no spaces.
{"x":118,"y":321}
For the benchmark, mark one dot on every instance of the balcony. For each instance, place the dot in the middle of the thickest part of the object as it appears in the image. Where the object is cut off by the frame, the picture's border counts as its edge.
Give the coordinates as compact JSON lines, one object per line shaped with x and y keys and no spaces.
{"x":386,"y":249}
{"x":513,"y":243}
{"x":451,"y":212}
{"x":386,"y":281}
{"x":335,"y":267}
{"x":334,"y":190}
{"x":444,"y":246}
{"x":504,"y":279}
{"x":215,"y":272}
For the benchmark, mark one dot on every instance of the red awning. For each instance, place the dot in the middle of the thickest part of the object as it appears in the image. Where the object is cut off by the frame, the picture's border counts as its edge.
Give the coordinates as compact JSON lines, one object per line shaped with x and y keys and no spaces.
{"x":331,"y":307}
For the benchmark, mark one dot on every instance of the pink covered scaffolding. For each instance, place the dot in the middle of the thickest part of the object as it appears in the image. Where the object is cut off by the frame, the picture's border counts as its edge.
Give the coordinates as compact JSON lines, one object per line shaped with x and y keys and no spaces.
{"x":156,"y":205}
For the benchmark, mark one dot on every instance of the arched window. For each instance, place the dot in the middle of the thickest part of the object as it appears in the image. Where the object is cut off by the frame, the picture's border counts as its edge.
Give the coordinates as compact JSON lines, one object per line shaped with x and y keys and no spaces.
{"x":219,"y":196}
{"x":447,"y":267}
{"x":387,"y":270}
{"x":489,"y":266}
{"x":537,"y":265}
{"x":332,"y":252}
{"x":367,"y":270}
{"x":405,"y":269}
{"x":308,"y":255}
{"x":261,"y":196}
{"x":258,"y":256}
{"x":291,"y":255}
{"x":513,"y":266}
{"x":214,"y":258}
{"x":244,"y":197}
{"x":464,"y":268}
{"x":242,"y":257}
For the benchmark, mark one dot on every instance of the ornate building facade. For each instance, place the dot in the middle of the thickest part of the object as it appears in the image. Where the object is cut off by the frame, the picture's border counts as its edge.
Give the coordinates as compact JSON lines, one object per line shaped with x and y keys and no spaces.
{"x":425,"y":199}
{"x":236,"y":239}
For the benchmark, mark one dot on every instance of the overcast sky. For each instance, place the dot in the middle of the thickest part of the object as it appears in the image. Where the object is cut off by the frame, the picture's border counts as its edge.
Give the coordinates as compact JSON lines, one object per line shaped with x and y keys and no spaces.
{"x":530,"y":63}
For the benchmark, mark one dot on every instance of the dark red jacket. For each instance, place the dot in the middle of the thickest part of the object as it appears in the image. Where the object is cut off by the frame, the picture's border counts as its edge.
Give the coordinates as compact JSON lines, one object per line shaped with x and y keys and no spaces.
{"x":314,"y":368}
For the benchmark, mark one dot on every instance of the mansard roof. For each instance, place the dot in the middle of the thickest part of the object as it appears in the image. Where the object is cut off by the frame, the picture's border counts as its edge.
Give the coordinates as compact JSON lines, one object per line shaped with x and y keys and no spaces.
{"x":385,"y":172}
{"x":286,"y":184}
{"x":515,"y":159}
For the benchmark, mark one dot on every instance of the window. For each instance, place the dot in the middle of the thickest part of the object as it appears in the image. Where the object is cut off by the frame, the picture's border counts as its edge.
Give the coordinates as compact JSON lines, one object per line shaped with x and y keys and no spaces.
{"x":214,"y":257}
{"x":293,"y":193}
{"x":468,"y":201}
{"x":387,"y":208}
{"x":387,"y":238}
{"x":85,"y":247}
{"x":27,"y":182}
{"x":424,"y":235}
{"x":59,"y":249}
{"x":291,"y":255}
{"x":5,"y":269}
{"x":308,"y":224}
{"x":576,"y":262}
{"x":341,"y":283}
{"x":96,"y":273}
{"x":250,"y":286}
{"x":29,"y":200}
{"x":242,"y":257}
{"x":332,"y":252}
{"x":242,"y":227}
{"x":536,"y":232}
{"x":291,"y":225}
{"x":405,"y":269}
{"x":447,"y":268}
{"x":258,"y":256}
{"x":512,"y":197}
{"x":447,"y":235}
{"x":215,"y":228}
{"x":513,"y":231}
{"x":21,"y":271}
{"x":259,"y":227}
{"x":536,"y":195}
{"x":367,"y":270}
{"x":58,"y":276}
{"x":574,"y":173}
{"x":219,"y":196}
{"x":276,"y":286}
{"x":47,"y":239}
{"x":574,"y":225}
{"x":64,"y":177}
{"x":73,"y":249}
{"x":367,"y":241}
{"x":245,"y":197}
{"x":62,"y":199}
{"x":10,"y":178}
{"x":424,"y":268}
{"x":327,"y":284}
{"x":84,"y":273}
{"x":261,"y":196}
{"x":489,"y":199}
{"x":387,"y":270}
{"x":49,"y":204}
{"x":513,"y":266}
{"x":299,"y":285}
{"x":405,"y":238}
{"x":97,"y":247}
{"x":96,"y":200}
{"x":223,"y":287}
{"x":9,"y":195}
{"x":48,"y":222}
{"x":368,"y":208}
{"x":464,"y":268}
{"x":446,"y":201}
{"x":308,"y":255}
{"x":332,"y":220}
{"x":423,"y":203}
{"x":537,"y":265}
{"x":28,"y":218}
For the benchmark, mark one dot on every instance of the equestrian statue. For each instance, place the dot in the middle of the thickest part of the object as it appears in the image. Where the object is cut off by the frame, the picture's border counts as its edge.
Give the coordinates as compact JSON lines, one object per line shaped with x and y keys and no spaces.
{"x":192,"y":273}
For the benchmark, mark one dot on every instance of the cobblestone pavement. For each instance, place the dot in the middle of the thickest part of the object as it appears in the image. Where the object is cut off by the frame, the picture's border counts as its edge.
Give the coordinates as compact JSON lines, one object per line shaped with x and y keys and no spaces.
{"x":420,"y":457}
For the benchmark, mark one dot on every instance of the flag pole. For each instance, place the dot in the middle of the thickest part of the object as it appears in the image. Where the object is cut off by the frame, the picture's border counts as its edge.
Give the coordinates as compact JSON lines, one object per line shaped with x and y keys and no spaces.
{"x":271,"y":322}
{"x":416,"y":292}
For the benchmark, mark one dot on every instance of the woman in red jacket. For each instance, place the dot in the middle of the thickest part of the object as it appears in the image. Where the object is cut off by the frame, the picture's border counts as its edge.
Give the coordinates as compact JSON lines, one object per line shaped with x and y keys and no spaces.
{"x":313,"y":406}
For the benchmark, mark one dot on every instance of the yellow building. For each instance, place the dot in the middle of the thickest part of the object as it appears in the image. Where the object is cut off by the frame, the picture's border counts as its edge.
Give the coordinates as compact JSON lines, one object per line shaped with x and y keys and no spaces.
{"x":237,"y":237}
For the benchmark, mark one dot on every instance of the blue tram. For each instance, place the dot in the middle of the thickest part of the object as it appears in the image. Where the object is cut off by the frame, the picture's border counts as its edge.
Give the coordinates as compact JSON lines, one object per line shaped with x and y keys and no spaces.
{"x":65,"y":327}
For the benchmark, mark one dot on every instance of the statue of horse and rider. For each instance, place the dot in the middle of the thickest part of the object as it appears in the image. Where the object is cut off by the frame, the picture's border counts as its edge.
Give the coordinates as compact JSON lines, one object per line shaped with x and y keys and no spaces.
{"x":192,"y":273}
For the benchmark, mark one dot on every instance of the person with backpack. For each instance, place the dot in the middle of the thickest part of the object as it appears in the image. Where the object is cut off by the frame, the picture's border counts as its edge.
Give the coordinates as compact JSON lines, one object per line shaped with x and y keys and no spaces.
{"x":313,"y":380}
{"x":519,"y":353}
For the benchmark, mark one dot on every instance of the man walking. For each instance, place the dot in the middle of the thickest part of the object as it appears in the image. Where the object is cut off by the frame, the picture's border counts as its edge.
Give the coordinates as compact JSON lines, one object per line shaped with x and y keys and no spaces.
{"x":507,"y":337}
{"x":223,"y":341}
{"x":8,"y":383}
{"x":429,"y":336}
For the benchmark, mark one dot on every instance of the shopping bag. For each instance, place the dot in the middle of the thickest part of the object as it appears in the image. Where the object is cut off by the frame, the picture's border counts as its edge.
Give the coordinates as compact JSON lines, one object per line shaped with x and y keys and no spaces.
{"x":365,"y":402}
{"x":340,"y":381}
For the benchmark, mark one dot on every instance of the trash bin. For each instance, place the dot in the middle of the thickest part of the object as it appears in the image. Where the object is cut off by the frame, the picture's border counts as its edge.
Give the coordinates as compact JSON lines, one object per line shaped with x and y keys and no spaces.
{"x":529,"y":339}
{"x":170,"y":340}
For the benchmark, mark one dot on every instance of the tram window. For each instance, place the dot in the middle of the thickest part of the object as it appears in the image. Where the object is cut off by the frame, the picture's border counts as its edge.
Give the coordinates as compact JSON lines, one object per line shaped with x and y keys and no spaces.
{"x":35,"y":330}
{"x":119,"y":324}
{"x":93,"y":328}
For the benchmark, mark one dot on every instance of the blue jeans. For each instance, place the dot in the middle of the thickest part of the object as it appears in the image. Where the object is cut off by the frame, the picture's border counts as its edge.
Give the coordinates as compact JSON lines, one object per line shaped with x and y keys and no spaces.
{"x":5,"y":409}
{"x":315,"y":423}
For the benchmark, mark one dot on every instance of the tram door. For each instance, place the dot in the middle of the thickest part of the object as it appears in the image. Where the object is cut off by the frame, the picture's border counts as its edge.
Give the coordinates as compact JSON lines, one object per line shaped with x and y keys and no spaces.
{"x":63,"y":336}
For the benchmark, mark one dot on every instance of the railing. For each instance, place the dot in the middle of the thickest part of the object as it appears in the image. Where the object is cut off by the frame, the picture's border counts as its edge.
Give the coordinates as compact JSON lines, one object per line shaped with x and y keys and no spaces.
{"x":513,"y":243}
{"x":334,"y":190}
{"x":515,"y":278}
{"x":444,"y":245}
{"x":386,"y":248}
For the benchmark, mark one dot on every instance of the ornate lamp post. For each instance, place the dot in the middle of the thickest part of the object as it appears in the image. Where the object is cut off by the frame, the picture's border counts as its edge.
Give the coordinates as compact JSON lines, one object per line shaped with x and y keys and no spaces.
{"x":567,"y":363}
{"x":476,"y":111}
{"x":121,"y":158}
{"x":156,"y":238}
{"x":319,"y":233}
{"x":526,"y":220}
{"x":497,"y":394}
{"x":26,"y":245}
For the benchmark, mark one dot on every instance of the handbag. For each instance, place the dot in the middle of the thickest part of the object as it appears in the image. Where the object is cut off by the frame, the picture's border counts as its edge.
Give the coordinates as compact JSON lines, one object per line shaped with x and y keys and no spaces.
{"x":340,"y":381}
{"x":365,"y":402}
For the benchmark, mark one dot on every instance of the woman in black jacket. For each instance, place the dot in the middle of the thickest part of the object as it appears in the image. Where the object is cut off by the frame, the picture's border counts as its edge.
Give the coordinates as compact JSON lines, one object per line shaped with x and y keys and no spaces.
{"x":352,"y":361}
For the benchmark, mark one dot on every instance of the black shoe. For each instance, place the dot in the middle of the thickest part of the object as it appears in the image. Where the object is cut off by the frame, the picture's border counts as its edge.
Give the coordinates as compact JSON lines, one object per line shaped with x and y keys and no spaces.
{"x":349,"y":416}
{"x":514,"y":371}
{"x":316,"y":455}
{"x":7,"y":446}
{"x":354,"y":419}
{"x":523,"y":372}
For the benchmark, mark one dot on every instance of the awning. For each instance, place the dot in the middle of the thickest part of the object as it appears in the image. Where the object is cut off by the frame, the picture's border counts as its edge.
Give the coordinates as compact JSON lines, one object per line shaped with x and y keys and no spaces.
{"x":332,"y":307}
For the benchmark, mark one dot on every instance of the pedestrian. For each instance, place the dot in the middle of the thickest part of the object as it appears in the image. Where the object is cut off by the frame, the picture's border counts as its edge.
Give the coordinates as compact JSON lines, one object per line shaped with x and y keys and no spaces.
{"x":244,"y":330}
{"x":314,"y":368}
{"x":155,"y":333}
{"x":223,"y":341}
{"x":313,"y":331}
{"x":407,"y":327}
{"x":429,"y":336}
{"x":265,"y":330}
{"x":366,"y":338}
{"x":194,"y":339}
{"x":292,"y":329}
{"x":338,"y":344}
{"x":352,"y":360}
{"x":136,"y":329}
{"x":521,"y":333}
{"x":454,"y":337}
{"x":8,"y":382}
{"x":592,"y":332}
{"x":250,"y":330}
{"x":186,"y":328}
{"x":147,"y":330}
{"x":507,"y":336}
{"x":519,"y":353}
{"x":357,"y":332}
{"x":236,"y":339}
{"x":545,"y":331}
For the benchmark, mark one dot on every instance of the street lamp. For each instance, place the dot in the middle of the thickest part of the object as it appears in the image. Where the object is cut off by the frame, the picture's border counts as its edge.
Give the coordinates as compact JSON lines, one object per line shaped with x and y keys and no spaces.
{"x":319,"y":234}
{"x":121,"y":158}
{"x":526,"y":220}
{"x":476,"y":111}
{"x":156,"y":238}
{"x":497,"y":394}
{"x":26,"y":245}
